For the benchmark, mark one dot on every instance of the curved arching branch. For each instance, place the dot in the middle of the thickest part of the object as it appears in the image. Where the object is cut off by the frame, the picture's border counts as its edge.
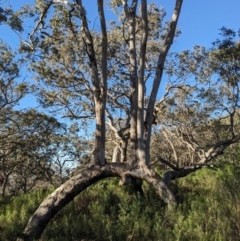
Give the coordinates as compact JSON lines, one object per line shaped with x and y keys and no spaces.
{"x":80,"y":181}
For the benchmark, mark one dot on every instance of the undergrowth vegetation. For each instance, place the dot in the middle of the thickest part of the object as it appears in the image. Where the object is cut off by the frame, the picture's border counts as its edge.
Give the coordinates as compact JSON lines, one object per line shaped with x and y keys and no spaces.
{"x":208,"y":209}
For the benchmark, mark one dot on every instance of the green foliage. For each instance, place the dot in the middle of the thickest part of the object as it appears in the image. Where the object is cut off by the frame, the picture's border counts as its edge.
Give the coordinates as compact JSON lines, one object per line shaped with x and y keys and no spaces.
{"x":208,"y":209}
{"x":15,"y":212}
{"x":10,"y":18}
{"x":26,"y":148}
{"x":210,"y":206}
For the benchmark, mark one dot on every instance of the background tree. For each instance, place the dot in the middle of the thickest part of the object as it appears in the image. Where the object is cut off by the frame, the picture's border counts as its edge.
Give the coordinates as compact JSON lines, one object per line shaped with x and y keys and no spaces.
{"x":199,"y":114}
{"x":26,"y":149}
{"x":29,"y":139}
{"x":11,"y":92}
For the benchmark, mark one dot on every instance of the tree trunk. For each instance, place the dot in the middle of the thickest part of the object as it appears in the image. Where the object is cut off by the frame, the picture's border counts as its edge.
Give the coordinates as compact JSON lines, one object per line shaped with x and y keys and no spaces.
{"x":99,"y":85}
{"x":123,"y":150}
{"x":130,"y":13}
{"x":116,"y":153}
{"x":141,"y":88}
{"x":4,"y":186}
{"x":5,"y":176}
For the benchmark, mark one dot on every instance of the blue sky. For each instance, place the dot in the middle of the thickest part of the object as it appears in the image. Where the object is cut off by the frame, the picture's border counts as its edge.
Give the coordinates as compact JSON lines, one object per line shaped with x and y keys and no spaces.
{"x":199,"y":22}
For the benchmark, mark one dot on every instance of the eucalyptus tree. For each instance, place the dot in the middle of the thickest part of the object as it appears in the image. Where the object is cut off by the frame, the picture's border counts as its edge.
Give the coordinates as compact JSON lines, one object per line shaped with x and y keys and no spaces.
{"x":28,"y":138}
{"x":99,"y":73}
{"x":11,"y":90}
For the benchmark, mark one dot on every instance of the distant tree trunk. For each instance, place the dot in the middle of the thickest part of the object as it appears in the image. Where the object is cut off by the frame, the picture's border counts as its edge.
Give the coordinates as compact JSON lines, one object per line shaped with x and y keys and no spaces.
{"x":116,"y":153}
{"x":5,"y":176}
{"x":4,"y":185}
{"x":123,"y":150}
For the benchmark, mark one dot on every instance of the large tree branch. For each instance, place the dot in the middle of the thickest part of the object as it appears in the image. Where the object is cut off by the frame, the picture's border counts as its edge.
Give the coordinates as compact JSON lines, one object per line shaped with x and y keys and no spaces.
{"x":171,"y":144}
{"x":141,"y":87}
{"x":218,"y":149}
{"x":98,"y":91}
{"x":183,"y":172}
{"x":159,"y":70}
{"x":80,"y":181}
{"x":39,"y":23}
{"x":117,"y":103}
{"x":210,"y":155}
{"x":104,"y":45}
{"x":130,"y":13}
{"x":167,"y":163}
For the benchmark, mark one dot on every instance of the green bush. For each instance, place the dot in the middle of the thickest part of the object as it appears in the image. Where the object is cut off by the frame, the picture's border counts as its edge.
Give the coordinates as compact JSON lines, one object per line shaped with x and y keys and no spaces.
{"x":15,"y":212}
